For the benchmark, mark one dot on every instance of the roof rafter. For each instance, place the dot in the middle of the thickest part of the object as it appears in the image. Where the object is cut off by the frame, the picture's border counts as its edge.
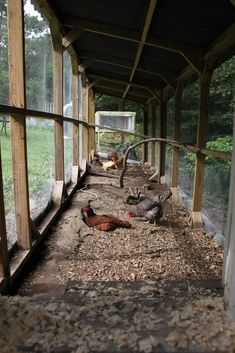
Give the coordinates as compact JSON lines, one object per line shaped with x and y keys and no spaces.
{"x":193,"y":55}
{"x":151,"y":9}
{"x":166,"y":76}
{"x":121,"y":90}
{"x":105,"y":78}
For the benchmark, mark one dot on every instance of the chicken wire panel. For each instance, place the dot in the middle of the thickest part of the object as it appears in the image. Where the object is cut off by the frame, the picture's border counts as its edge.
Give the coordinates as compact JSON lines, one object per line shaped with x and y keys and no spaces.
{"x":38,"y":60}
{"x":41,"y":164}
{"x":68,"y":151}
{"x":189,"y":113}
{"x":216,"y":194}
{"x":4,"y":77}
{"x":221,"y":102}
{"x":168,"y":164}
{"x":186,"y":178}
{"x":8,"y":191}
{"x":113,"y":141}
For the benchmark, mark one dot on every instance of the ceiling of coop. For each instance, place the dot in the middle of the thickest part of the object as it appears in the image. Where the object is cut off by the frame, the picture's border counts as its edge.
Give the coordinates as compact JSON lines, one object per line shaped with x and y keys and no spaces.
{"x":134,"y":48}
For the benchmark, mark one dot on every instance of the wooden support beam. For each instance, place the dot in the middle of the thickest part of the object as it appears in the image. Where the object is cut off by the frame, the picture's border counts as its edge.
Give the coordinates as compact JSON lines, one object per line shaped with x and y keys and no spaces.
{"x":4,"y":258}
{"x":229,"y":246}
{"x":18,"y":126}
{"x":145,"y":125}
{"x":192,"y":54}
{"x":151,"y":9}
{"x":153,"y":133}
{"x":162,"y":145}
{"x":91,"y":119}
{"x":146,"y":96}
{"x":85,"y":64}
{"x":201,"y":142}
{"x":54,"y":23}
{"x":176,"y":137}
{"x":110,"y":79}
{"x":59,"y":132}
{"x":85,"y":135}
{"x":75,"y":116}
{"x":71,"y":36}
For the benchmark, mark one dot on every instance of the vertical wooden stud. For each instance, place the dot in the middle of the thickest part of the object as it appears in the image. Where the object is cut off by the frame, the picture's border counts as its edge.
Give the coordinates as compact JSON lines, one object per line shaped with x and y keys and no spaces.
{"x":153,"y":132}
{"x":145,"y":125}
{"x":85,"y":135}
{"x":91,"y":118}
{"x":59,"y":133}
{"x":201,"y":142}
{"x":75,"y":168}
{"x":229,"y":246}
{"x":176,"y":137}
{"x":18,"y":125}
{"x":4,"y":259}
{"x":162,"y":145}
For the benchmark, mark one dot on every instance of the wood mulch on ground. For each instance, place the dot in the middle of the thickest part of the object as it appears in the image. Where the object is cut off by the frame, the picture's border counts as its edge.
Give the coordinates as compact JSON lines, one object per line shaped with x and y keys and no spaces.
{"x":150,"y":288}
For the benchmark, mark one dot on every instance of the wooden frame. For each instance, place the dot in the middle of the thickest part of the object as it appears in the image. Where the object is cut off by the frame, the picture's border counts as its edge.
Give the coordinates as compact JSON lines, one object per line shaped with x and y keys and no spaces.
{"x":18,"y":126}
{"x":91,"y":119}
{"x":59,"y":128}
{"x":4,"y":258}
{"x":162,"y":145}
{"x":85,"y":133}
{"x":201,"y":142}
{"x":176,"y":137}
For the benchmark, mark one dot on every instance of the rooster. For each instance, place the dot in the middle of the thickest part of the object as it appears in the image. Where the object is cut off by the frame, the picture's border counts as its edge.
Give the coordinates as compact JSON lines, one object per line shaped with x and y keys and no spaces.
{"x":101,"y":222}
{"x":151,"y":208}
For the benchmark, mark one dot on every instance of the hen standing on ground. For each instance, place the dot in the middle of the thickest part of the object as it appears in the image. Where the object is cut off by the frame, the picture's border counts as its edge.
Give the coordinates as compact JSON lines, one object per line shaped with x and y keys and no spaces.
{"x":151,"y":208}
{"x":101,"y":222}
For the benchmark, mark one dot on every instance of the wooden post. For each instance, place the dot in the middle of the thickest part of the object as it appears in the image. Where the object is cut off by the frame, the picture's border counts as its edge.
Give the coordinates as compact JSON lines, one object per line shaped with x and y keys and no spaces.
{"x":91,"y":118}
{"x":176,"y":137}
{"x":59,"y":133}
{"x":85,"y":135}
{"x":145,"y":125}
{"x":18,"y":126}
{"x":153,"y":132}
{"x":162,"y":145}
{"x":75,"y":169}
{"x":229,"y":247}
{"x":4,"y":259}
{"x":201,"y":142}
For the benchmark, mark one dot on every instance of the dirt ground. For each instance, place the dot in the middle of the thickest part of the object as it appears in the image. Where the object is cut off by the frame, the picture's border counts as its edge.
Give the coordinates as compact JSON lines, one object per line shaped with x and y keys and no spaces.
{"x":170,"y":250}
{"x":150,"y":288}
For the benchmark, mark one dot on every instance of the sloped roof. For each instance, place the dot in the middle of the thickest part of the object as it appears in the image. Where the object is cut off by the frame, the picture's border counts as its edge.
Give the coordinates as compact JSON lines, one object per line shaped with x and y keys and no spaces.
{"x":134,"y":48}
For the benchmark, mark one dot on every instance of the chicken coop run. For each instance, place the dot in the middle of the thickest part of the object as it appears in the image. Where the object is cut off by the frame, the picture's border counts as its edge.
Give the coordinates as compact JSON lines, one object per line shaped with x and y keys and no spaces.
{"x":174,"y":60}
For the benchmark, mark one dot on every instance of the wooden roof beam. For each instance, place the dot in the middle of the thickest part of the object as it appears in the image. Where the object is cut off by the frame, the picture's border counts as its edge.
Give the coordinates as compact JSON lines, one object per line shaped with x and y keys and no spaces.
{"x":193,"y":55}
{"x":71,"y":36}
{"x":55,"y":25}
{"x":85,"y":64}
{"x":166,"y":76}
{"x":104,"y":78}
{"x":101,"y":28}
{"x":121,"y":90}
{"x":151,"y":9}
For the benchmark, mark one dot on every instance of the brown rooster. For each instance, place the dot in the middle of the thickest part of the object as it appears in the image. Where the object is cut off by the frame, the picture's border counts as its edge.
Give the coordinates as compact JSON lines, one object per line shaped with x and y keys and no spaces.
{"x":101,"y":222}
{"x":151,"y":208}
